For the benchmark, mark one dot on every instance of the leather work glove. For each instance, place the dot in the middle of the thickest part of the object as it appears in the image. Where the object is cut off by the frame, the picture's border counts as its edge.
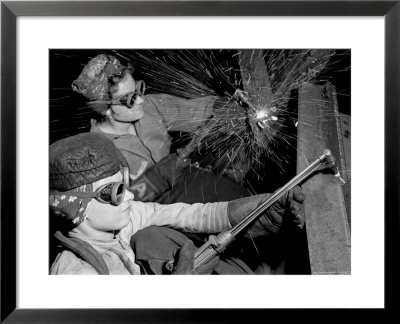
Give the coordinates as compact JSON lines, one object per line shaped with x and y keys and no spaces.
{"x":185,"y":262}
{"x":287,"y":211}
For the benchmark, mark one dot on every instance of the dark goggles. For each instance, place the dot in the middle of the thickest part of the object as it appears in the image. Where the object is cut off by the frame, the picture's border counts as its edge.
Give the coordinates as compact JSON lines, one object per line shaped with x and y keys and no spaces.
{"x":110,"y":193}
{"x":127,"y":99}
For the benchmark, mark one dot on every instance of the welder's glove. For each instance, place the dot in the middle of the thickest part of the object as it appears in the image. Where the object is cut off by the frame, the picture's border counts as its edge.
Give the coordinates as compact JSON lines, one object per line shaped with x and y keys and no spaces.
{"x":287,"y":211}
{"x":185,"y":262}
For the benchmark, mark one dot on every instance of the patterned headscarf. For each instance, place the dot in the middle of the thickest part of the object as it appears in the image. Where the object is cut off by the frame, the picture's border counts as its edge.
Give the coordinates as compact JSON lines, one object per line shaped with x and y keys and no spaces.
{"x":69,"y":206}
{"x":93,"y":82}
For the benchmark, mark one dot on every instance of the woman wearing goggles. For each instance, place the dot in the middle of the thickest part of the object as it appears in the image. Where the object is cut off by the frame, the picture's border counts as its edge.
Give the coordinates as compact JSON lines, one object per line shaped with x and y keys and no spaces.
{"x":109,"y":210}
{"x":126,"y":104}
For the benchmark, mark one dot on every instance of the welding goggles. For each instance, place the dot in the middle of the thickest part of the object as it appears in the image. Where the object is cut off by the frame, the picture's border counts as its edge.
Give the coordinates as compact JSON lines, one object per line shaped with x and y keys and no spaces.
{"x":110,"y":193}
{"x":127,"y":99}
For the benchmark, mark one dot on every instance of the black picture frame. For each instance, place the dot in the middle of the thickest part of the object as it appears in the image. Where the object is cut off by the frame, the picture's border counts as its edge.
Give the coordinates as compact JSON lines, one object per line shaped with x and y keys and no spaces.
{"x":11,"y":10}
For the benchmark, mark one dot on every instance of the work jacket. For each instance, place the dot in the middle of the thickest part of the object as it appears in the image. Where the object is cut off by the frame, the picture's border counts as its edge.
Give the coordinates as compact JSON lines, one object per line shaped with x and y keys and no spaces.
{"x":162,"y":113}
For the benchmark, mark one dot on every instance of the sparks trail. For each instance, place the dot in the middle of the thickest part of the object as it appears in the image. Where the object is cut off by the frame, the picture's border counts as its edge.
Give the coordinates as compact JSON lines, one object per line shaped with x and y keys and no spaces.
{"x":184,"y":73}
{"x":241,"y":132}
{"x":290,"y":70}
{"x":240,"y":135}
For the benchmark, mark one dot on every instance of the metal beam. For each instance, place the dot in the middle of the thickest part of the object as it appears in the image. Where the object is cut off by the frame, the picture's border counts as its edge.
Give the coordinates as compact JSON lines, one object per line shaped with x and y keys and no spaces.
{"x":328,"y":231}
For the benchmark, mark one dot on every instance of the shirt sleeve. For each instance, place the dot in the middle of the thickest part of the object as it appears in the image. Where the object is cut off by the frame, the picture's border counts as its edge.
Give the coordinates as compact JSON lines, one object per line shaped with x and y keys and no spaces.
{"x":182,"y":114}
{"x":195,"y":218}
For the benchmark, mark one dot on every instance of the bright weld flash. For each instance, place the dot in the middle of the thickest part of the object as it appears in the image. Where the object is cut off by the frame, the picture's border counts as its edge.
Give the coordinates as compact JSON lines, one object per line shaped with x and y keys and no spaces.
{"x":262,"y":118}
{"x":261,"y":114}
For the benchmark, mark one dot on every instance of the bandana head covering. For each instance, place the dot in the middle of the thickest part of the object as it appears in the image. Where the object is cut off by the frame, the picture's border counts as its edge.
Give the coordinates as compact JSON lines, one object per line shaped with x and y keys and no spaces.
{"x":71,"y":207}
{"x":93,"y":82}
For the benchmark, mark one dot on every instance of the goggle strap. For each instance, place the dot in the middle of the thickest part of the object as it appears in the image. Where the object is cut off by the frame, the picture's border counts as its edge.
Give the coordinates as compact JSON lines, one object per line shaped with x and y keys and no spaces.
{"x":80,"y":194}
{"x":104,"y":102}
{"x":107,"y":102}
{"x":96,"y":194}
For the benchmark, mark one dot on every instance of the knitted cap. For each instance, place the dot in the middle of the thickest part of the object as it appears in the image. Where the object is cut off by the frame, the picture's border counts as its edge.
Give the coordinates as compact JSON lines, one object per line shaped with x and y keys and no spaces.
{"x":93,"y":82}
{"x":82,"y":159}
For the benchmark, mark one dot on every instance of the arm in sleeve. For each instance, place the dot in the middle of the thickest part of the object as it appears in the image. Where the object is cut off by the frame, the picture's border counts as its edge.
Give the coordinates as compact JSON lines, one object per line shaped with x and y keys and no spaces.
{"x":196,"y":218}
{"x":182,"y":114}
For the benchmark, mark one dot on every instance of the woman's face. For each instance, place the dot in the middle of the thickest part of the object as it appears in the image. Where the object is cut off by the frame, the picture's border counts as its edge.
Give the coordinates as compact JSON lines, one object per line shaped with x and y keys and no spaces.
{"x":107,"y":217}
{"x":122,"y":113}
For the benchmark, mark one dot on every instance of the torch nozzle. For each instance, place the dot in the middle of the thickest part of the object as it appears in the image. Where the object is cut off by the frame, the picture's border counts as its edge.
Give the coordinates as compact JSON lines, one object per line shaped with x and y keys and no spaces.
{"x":329,"y":160}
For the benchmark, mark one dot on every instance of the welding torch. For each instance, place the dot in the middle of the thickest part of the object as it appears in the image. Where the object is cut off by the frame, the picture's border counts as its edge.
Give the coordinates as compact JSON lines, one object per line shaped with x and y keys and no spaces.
{"x":217,"y":244}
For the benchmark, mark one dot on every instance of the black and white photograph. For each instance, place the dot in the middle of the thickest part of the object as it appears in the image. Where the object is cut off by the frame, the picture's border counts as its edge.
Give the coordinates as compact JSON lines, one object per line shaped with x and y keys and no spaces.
{"x":200,"y":161}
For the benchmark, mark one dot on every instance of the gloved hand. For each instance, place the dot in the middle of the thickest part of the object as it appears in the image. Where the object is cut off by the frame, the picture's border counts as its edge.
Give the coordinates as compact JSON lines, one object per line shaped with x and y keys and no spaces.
{"x":287,"y":211}
{"x":290,"y":205}
{"x":185,"y":261}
